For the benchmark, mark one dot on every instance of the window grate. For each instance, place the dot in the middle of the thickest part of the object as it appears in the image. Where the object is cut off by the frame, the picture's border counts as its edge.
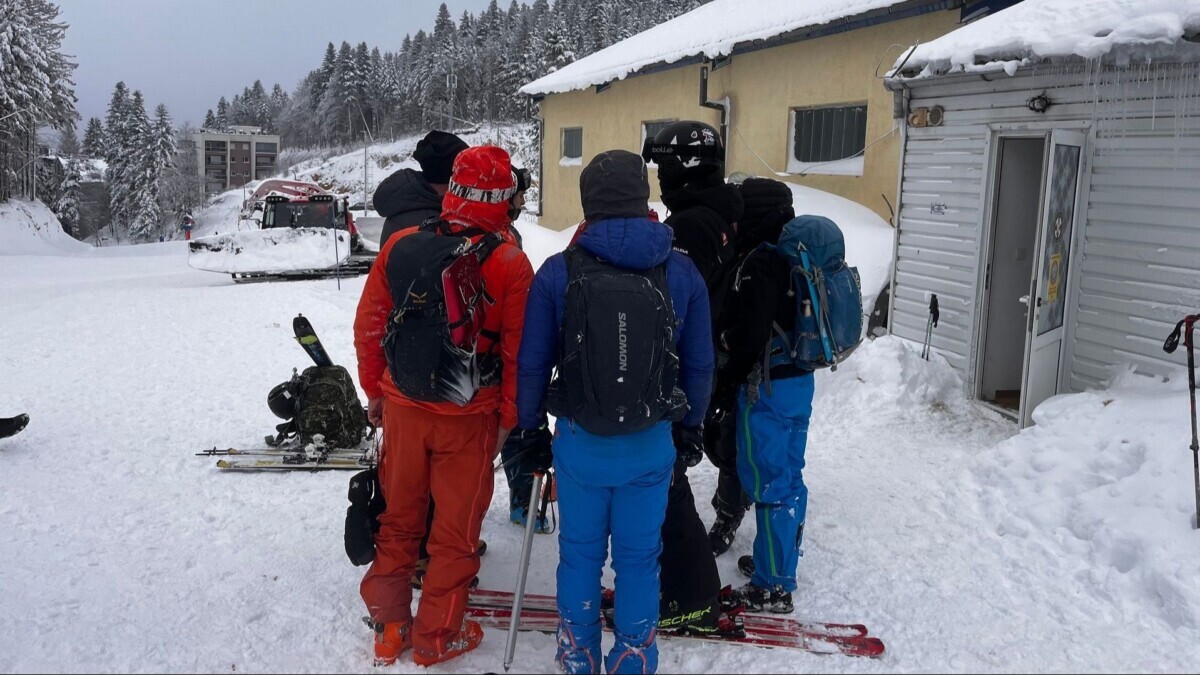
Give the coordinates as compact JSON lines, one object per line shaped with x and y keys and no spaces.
{"x":829,"y":134}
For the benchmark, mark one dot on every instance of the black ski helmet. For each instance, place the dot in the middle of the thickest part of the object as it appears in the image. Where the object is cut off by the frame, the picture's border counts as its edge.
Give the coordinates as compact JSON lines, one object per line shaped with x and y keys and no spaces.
{"x":282,"y":401}
{"x":696,"y":144}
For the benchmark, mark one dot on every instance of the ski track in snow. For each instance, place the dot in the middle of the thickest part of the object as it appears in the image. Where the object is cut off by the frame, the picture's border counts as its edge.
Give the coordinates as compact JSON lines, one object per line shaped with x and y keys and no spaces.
{"x":122,"y":551}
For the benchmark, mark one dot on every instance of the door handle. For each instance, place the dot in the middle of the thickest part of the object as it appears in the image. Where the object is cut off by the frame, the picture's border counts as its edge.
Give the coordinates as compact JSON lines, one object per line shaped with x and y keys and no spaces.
{"x":1024,"y":300}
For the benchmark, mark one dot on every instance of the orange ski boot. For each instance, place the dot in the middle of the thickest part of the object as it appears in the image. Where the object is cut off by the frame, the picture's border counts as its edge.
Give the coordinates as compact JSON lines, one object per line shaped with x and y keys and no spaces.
{"x":451,"y":646}
{"x":391,"y":640}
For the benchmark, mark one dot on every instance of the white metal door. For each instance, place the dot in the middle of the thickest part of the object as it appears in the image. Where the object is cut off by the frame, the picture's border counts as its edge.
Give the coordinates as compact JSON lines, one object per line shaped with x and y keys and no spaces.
{"x":1048,"y":299}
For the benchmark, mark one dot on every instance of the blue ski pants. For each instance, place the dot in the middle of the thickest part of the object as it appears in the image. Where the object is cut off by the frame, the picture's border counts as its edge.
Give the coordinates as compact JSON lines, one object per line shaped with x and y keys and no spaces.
{"x":616,"y":487}
{"x":771,"y":437}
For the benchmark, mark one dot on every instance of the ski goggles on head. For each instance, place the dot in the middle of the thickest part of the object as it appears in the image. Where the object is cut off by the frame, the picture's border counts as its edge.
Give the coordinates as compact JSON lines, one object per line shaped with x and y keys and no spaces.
{"x":493,"y":196}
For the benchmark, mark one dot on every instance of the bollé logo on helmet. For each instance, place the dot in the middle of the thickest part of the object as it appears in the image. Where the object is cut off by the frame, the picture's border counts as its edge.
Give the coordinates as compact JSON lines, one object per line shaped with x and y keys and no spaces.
{"x":622,"y":345}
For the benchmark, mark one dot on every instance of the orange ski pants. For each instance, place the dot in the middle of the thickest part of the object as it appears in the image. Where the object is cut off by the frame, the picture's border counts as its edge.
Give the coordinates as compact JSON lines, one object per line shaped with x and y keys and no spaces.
{"x":450,"y":458}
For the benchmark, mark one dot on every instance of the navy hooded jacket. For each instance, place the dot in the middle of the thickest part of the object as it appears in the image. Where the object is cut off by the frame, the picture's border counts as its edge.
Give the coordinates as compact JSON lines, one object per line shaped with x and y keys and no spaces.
{"x":633,"y":243}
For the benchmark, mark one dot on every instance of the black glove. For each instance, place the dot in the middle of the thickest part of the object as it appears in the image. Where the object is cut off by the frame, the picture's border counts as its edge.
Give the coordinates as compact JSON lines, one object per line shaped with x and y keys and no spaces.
{"x":536,"y":448}
{"x":722,"y":405}
{"x":689,"y":443}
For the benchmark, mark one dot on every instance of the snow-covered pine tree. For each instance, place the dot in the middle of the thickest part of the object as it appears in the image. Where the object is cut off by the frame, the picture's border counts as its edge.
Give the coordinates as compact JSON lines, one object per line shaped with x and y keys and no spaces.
{"x":210,"y":120}
{"x":439,"y":65}
{"x":334,"y":111}
{"x":67,"y":205}
{"x":35,"y":88}
{"x":93,"y":139}
{"x":222,"y":115}
{"x":143,"y":179}
{"x":320,"y":80}
{"x":68,"y":142}
{"x":116,"y":154}
{"x":556,"y":53}
{"x":275,"y":107}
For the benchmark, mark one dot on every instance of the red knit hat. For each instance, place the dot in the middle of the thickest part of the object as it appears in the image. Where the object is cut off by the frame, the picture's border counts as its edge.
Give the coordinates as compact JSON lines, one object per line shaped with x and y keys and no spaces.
{"x":481,"y":186}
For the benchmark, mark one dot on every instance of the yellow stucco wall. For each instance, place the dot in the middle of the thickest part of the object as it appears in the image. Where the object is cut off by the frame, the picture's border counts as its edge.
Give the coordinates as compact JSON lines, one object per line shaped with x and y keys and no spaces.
{"x":764,"y":87}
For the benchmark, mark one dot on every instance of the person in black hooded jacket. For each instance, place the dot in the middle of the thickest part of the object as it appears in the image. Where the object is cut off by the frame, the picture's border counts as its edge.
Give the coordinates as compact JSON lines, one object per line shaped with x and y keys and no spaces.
{"x":704,"y":210}
{"x":408,"y":198}
{"x":767,"y":206}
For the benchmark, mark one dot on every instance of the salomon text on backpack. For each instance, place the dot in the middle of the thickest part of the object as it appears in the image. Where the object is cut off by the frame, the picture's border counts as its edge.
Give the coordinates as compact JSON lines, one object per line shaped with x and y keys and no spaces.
{"x":618,"y":364}
{"x":439,"y":307}
{"x":828,"y":293}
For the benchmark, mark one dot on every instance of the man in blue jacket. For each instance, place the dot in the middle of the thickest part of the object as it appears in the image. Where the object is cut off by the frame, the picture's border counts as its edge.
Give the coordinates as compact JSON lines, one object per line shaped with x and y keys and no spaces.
{"x":614,"y":483}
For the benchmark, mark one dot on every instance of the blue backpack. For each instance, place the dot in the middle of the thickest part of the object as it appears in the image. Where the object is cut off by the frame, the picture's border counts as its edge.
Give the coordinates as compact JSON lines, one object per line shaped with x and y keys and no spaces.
{"x":828,"y":293}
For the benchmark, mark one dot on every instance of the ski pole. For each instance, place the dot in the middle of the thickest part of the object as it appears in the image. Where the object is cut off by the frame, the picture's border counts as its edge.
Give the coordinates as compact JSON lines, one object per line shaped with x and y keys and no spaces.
{"x":523,"y":570}
{"x":934,"y":315}
{"x":337,"y":260}
{"x":1187,"y":326}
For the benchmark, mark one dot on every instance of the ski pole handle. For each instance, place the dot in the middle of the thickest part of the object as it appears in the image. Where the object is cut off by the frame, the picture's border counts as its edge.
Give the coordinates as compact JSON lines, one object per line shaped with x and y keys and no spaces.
{"x":523,"y":571}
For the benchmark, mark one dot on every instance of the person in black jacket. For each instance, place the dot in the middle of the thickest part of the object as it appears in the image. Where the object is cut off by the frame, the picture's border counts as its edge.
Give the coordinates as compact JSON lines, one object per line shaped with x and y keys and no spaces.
{"x":704,"y":212}
{"x":408,"y":197}
{"x":772,"y":398}
{"x":767,"y":206}
{"x":704,"y":208}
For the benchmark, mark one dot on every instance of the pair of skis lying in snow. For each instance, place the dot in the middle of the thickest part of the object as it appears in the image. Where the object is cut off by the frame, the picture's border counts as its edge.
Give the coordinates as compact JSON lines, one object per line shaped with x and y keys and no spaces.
{"x":540,"y":613}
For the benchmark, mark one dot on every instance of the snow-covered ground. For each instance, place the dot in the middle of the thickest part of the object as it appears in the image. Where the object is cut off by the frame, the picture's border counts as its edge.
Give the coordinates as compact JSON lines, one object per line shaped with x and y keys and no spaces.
{"x":964,"y":545}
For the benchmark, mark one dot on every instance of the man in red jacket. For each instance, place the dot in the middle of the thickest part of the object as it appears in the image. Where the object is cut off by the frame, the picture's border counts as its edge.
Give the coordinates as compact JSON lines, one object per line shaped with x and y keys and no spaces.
{"x":440,"y":448}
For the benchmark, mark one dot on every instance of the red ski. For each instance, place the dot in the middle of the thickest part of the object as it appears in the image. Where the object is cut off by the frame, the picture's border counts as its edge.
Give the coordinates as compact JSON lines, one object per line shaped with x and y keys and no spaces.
{"x":539,"y":613}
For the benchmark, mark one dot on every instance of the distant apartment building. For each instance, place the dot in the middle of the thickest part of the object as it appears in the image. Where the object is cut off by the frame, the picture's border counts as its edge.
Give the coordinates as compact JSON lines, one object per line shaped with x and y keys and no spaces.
{"x":231,"y":159}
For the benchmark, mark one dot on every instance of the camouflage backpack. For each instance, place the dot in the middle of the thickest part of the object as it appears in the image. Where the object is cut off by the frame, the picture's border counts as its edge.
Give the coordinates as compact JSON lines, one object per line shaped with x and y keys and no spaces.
{"x":324,"y":402}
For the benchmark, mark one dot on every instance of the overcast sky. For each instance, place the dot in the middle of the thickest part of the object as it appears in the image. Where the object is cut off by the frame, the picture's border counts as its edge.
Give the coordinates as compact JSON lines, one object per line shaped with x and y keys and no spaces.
{"x":189,"y":53}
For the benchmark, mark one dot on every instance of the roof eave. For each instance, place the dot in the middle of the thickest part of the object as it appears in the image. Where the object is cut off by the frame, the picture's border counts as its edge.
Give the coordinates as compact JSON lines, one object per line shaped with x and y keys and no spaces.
{"x":896,"y":12}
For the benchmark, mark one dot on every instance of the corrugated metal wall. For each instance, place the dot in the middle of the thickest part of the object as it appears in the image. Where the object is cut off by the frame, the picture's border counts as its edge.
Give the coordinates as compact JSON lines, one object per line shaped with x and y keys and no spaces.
{"x":1137,"y":270}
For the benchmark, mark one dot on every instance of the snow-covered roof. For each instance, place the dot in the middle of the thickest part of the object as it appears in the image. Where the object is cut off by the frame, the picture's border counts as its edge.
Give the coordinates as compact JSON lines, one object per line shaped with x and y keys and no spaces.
{"x":711,"y":30}
{"x":1037,"y":30}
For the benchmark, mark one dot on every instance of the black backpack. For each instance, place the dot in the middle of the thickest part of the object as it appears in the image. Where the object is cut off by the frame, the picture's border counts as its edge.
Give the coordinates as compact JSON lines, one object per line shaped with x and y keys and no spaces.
{"x":618,"y":366}
{"x":439,"y":308}
{"x":323,"y":402}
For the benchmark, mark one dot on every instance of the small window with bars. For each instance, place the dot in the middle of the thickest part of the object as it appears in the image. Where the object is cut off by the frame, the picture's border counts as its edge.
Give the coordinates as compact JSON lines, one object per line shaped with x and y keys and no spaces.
{"x":828,"y":140}
{"x":572,"y":147}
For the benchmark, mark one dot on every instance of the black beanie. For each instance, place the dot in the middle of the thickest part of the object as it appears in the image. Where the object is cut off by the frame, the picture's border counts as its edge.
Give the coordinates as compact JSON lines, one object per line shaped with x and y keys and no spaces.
{"x":615,"y":185}
{"x":436,"y":152}
{"x":762,"y":197}
{"x":768,"y":206}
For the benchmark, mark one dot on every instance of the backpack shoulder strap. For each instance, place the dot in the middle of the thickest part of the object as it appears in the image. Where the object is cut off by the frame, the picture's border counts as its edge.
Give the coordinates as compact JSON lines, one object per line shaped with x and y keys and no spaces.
{"x":486,"y":245}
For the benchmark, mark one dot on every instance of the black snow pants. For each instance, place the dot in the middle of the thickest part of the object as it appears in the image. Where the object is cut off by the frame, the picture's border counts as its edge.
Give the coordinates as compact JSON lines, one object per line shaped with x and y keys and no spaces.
{"x":720,"y":446}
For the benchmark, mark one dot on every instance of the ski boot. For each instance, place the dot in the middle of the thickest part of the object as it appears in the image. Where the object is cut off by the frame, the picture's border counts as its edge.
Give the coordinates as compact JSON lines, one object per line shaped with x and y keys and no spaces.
{"x":758,"y":599}
{"x":391,"y":640}
{"x":448,"y":647}
{"x":722,"y":533}
{"x":520,"y":515}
